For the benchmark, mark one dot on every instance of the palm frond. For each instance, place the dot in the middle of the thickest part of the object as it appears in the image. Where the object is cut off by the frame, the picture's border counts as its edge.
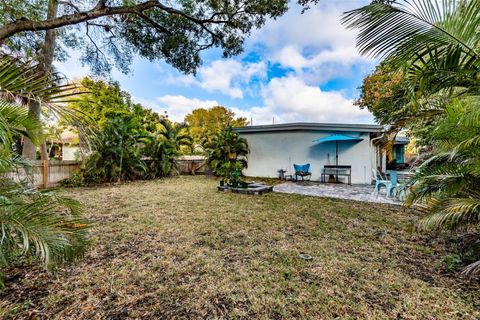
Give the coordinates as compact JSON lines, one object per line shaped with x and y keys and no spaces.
{"x":450,"y":212}
{"x":22,"y":83}
{"x":34,"y":225}
{"x":472,"y":269}
{"x":413,"y":28}
{"x":442,"y":173}
{"x":15,"y":119}
{"x":437,"y":39}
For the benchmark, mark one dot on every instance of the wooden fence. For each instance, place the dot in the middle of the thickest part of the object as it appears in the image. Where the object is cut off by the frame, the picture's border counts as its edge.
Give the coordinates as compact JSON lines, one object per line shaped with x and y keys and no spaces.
{"x":45,"y":174}
{"x":192,"y":165}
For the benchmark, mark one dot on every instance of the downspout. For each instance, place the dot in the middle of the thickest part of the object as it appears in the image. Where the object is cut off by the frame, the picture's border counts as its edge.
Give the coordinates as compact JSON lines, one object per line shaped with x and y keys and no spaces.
{"x":377,"y":138}
{"x":376,"y":153}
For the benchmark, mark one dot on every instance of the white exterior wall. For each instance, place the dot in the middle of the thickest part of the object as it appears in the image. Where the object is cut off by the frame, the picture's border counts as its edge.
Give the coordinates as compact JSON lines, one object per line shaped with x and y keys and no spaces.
{"x":270,"y":151}
{"x":70,"y":153}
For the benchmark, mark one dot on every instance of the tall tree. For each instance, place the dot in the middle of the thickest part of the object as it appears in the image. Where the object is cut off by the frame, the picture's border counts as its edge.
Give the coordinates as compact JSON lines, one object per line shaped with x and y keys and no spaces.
{"x":387,"y":94}
{"x":205,"y":123}
{"x":103,"y":100}
{"x":384,"y":93}
{"x":110,"y":32}
{"x":45,"y":61}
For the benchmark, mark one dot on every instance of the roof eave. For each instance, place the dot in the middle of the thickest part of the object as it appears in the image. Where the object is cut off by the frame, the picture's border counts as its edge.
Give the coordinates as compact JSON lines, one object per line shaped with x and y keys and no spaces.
{"x":305,"y":126}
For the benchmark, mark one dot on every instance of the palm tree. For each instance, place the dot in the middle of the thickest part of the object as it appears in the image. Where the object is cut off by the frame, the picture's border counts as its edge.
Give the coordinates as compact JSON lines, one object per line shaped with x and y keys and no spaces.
{"x":439,"y":43}
{"x":175,"y":133}
{"x":32,"y":223}
{"x":227,"y":147}
{"x":162,"y":157}
{"x":163,"y":148}
{"x":116,"y":153}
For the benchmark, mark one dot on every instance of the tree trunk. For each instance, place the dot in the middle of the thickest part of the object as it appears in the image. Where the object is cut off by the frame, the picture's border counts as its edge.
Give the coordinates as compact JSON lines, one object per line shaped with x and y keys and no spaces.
{"x":45,"y":61}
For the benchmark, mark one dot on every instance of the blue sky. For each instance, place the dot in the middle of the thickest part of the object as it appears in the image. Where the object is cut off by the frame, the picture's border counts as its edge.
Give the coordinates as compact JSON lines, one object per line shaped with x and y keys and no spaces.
{"x":296,"y":68}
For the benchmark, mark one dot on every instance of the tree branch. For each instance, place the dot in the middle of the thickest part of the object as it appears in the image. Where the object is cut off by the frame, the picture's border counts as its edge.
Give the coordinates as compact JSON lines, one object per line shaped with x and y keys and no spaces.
{"x":69,"y":4}
{"x":153,"y":23}
{"x":100,"y":5}
{"x":101,"y":10}
{"x":97,"y":49}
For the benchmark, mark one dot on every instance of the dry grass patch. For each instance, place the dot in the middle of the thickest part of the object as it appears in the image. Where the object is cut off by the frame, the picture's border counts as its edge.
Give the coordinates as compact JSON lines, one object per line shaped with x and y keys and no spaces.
{"x":175,"y":248}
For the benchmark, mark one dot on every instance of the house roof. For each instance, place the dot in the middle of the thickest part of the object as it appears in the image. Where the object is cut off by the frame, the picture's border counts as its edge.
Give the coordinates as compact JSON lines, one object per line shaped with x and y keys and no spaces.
{"x":68,"y":136}
{"x":311,"y":126}
{"x":401,"y":140}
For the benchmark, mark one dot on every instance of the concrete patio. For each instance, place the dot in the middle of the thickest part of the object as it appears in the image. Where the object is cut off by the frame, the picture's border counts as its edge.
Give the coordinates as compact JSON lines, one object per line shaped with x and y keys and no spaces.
{"x":332,"y":190}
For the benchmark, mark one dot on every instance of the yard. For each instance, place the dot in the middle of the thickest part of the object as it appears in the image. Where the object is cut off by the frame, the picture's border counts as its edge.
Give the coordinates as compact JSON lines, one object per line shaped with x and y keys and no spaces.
{"x":176,"y":248}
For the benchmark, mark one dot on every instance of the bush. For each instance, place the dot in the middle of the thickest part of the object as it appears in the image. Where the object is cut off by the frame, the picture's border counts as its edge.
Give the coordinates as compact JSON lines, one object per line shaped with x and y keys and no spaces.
{"x":116,"y":153}
{"x":75,"y":181}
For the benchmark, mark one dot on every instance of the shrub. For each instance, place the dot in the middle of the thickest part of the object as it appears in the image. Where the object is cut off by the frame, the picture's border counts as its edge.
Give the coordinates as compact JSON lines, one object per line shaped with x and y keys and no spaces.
{"x":227,"y":153}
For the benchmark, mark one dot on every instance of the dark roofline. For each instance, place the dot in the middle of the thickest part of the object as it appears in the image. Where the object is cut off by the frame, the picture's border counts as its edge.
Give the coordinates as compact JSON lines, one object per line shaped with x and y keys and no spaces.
{"x":401,"y":140}
{"x":311,"y":126}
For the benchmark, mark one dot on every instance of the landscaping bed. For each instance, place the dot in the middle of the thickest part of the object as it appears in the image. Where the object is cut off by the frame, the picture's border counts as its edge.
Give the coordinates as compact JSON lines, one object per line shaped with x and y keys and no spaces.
{"x":247,"y":188}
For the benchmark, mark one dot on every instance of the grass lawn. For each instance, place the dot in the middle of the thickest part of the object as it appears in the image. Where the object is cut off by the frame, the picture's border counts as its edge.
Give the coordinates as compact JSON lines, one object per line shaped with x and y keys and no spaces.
{"x":176,"y":248}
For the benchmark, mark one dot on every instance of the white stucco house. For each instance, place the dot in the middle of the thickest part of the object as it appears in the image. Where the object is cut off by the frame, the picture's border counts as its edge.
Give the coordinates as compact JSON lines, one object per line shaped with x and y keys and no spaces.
{"x":280,"y":146}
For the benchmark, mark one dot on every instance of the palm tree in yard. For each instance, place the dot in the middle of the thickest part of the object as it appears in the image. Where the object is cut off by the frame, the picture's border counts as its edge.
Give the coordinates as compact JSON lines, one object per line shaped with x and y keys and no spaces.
{"x":227,"y":147}
{"x":116,"y":152}
{"x":439,"y":43}
{"x":32,"y":223}
{"x":175,"y":133}
{"x":162,"y":157}
{"x":164,"y":148}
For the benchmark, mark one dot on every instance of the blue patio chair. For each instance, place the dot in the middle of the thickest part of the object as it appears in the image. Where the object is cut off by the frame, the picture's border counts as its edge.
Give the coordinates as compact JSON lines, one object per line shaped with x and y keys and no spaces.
{"x":393,"y":183}
{"x":402,"y":190}
{"x":379,"y":181}
{"x":302,"y":171}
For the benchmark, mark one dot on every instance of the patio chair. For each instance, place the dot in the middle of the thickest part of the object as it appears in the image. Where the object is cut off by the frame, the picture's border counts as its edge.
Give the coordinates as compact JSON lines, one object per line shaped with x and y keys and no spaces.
{"x":402,"y":190}
{"x":393,"y":183}
{"x":379,"y":181}
{"x":302,"y":171}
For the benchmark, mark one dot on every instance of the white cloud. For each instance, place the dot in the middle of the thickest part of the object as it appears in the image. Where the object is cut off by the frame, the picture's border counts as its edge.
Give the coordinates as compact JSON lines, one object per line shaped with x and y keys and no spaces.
{"x":224,"y":76}
{"x":315,"y":45}
{"x":291,"y":57}
{"x":179,"y":106}
{"x":318,"y":28}
{"x":290,"y":99}
{"x":287,"y":99}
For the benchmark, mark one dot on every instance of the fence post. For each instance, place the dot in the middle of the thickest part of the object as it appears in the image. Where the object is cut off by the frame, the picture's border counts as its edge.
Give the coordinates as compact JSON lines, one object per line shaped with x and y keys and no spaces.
{"x":45,"y":173}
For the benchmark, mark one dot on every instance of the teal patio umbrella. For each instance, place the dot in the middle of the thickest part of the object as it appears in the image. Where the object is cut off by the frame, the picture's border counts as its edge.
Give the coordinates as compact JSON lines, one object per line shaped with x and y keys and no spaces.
{"x":335,"y":138}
